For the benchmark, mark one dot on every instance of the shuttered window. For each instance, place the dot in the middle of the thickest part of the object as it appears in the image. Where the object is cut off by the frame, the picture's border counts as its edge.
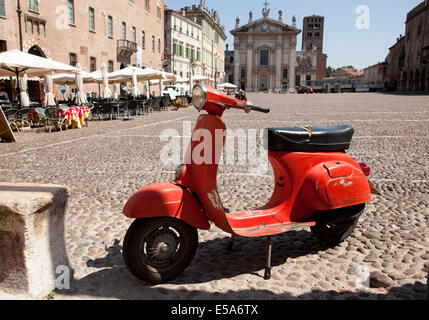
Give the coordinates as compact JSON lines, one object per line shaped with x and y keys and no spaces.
{"x":2,"y":9}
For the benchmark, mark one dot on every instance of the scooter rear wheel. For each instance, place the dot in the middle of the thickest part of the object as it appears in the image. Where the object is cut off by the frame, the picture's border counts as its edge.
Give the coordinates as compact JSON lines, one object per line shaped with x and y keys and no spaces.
{"x":159,"y":249}
{"x":333,"y":233}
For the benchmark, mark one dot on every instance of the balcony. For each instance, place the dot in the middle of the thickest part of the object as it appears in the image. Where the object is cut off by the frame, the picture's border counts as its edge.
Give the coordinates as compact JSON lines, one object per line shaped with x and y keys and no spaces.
{"x":126,"y":48}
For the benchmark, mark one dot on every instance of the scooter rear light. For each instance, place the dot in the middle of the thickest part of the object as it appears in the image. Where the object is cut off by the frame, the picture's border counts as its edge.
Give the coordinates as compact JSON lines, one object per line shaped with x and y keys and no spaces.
{"x":365,"y":169}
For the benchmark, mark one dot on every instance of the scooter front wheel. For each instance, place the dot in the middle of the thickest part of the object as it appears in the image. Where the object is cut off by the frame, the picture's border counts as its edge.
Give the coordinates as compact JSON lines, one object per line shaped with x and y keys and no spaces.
{"x":159,"y":249}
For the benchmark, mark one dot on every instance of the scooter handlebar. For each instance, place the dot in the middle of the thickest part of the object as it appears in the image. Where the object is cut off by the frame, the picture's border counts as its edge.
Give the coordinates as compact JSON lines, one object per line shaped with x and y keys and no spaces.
{"x":259,"y":109}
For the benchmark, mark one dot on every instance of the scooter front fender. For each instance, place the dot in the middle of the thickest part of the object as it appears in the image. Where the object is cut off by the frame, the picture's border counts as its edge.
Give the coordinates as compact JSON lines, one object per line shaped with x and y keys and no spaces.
{"x":167,"y":200}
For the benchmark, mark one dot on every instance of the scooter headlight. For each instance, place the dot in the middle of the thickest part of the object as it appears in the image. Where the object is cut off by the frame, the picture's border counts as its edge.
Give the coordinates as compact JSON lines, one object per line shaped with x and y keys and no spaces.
{"x":199,"y":96}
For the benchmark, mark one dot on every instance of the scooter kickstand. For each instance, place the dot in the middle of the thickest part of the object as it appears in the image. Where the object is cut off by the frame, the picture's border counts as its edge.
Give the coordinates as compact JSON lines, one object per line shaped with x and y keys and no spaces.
{"x":267,"y":275}
{"x":231,"y":243}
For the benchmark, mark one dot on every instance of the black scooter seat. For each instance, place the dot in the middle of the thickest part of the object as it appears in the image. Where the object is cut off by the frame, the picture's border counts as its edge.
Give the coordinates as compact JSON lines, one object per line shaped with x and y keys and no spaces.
{"x":310,"y":139}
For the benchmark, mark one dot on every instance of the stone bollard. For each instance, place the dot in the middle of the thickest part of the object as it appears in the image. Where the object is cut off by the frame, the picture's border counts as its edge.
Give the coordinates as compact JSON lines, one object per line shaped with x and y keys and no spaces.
{"x":32,"y":239}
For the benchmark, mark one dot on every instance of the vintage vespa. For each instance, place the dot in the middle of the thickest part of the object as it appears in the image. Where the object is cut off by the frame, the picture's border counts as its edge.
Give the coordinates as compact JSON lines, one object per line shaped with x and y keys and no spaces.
{"x":316,"y":185}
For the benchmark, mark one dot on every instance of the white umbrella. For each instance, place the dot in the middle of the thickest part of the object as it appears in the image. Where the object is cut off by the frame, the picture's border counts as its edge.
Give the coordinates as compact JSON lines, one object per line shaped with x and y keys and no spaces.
{"x":135,"y":89}
{"x":147,"y":85}
{"x":80,"y":96}
{"x":97,"y":76}
{"x":70,"y":78}
{"x":107,"y":94}
{"x":126,"y":74}
{"x":49,"y":95}
{"x":25,"y":100}
{"x":116,"y":90}
{"x":14,"y":62}
{"x":227,"y":86}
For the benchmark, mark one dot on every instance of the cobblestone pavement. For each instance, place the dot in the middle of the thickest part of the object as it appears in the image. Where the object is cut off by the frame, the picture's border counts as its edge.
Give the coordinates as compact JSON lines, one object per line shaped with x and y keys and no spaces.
{"x":105,"y":164}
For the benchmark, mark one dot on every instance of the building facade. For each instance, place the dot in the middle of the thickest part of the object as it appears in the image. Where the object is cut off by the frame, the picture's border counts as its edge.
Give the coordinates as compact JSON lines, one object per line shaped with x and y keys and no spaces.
{"x":183,"y":38}
{"x":313,"y":29}
{"x":376,"y":76}
{"x":395,"y":64}
{"x":413,"y":59}
{"x":347,"y":74}
{"x":91,"y":32}
{"x":306,"y":66}
{"x":265,"y":53}
{"x":212,"y":40}
{"x":229,"y":65}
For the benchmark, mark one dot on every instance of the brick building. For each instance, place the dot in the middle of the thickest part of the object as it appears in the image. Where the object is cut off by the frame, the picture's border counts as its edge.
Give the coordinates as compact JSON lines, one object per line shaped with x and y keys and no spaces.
{"x":376,"y":75}
{"x":91,"y":32}
{"x":313,"y":30}
{"x":408,"y":59}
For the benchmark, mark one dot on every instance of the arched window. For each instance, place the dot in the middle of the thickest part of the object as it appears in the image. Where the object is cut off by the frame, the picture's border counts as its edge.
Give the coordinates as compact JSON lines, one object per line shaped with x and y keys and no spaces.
{"x":243,"y":73}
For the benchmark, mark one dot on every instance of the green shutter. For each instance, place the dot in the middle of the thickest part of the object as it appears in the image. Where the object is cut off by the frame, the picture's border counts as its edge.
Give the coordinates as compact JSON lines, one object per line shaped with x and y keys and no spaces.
{"x":2,"y":8}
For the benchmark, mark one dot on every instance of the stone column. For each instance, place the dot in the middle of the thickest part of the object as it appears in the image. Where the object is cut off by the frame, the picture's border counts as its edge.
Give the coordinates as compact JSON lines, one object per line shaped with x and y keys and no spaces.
{"x":292,"y":61}
{"x":279,"y":55}
{"x":249,"y":71}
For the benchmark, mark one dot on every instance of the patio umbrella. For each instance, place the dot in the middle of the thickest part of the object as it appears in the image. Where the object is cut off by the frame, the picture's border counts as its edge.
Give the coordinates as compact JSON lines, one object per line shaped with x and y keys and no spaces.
{"x":97,"y":76}
{"x":147,"y":85}
{"x":126,"y":74}
{"x":116,"y":90}
{"x":14,"y":62}
{"x":107,"y":94}
{"x":70,"y":78}
{"x":49,"y":94}
{"x":25,"y":100}
{"x":80,"y":96}
{"x":227,"y":86}
{"x":135,"y":90}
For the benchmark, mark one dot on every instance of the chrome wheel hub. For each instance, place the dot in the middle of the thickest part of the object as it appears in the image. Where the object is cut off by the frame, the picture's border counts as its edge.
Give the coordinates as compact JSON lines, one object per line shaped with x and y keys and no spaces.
{"x":162,"y":245}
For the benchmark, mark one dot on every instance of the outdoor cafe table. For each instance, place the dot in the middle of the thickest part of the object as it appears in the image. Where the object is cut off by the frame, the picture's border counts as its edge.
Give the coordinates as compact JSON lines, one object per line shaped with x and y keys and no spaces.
{"x":73,"y":116}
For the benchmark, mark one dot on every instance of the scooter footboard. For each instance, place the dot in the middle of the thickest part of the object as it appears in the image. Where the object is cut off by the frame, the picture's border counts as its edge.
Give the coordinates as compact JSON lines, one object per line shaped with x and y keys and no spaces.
{"x":166,"y":200}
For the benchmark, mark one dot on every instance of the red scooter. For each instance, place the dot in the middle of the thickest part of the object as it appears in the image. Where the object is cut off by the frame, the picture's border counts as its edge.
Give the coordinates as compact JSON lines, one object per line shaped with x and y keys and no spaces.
{"x":316,"y":185}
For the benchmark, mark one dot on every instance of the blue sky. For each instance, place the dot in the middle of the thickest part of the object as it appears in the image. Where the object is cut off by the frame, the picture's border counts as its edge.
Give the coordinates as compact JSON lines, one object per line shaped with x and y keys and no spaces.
{"x":344,"y":43}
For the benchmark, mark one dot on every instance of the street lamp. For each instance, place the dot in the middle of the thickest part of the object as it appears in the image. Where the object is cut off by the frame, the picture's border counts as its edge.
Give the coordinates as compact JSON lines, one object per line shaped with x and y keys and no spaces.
{"x":19,"y":11}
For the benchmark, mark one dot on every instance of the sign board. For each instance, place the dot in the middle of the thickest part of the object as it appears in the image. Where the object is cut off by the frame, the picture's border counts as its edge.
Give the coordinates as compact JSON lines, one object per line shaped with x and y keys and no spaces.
{"x":6,"y":133}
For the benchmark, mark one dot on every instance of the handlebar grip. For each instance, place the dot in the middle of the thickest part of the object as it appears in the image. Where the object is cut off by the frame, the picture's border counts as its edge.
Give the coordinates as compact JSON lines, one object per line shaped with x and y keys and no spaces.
{"x":259,"y":109}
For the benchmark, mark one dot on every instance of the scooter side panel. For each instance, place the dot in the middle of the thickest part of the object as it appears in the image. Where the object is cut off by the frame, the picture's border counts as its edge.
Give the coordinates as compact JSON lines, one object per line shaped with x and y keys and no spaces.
{"x":326,"y":188}
{"x":166,"y":200}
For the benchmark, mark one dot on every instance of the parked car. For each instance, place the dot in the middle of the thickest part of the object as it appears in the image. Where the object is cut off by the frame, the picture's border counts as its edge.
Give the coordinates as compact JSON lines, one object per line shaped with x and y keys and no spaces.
{"x":303,"y":89}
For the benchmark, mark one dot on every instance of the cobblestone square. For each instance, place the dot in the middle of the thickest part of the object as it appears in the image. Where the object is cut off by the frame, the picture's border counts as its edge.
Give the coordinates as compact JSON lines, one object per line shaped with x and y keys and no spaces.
{"x":103,"y":165}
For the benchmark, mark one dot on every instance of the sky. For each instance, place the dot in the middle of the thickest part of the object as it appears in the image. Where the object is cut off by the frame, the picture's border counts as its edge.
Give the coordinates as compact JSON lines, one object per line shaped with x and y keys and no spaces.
{"x":344,"y":43}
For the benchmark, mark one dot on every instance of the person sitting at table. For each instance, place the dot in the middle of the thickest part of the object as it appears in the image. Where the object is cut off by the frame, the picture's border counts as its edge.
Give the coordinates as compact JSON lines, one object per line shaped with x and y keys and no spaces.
{"x":3,"y":94}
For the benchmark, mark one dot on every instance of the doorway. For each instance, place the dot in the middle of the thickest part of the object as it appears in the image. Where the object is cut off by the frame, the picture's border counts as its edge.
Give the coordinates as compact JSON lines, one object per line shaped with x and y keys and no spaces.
{"x":298,"y":80}
{"x":263,"y":83}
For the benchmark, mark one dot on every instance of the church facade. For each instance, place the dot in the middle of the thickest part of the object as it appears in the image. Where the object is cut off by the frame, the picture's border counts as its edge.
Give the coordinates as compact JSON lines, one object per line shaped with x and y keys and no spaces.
{"x":265,"y":54}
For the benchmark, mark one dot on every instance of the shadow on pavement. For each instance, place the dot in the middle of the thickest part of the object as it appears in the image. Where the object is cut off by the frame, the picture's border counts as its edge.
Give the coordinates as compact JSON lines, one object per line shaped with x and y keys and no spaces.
{"x":408,"y":93}
{"x":213,"y":262}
